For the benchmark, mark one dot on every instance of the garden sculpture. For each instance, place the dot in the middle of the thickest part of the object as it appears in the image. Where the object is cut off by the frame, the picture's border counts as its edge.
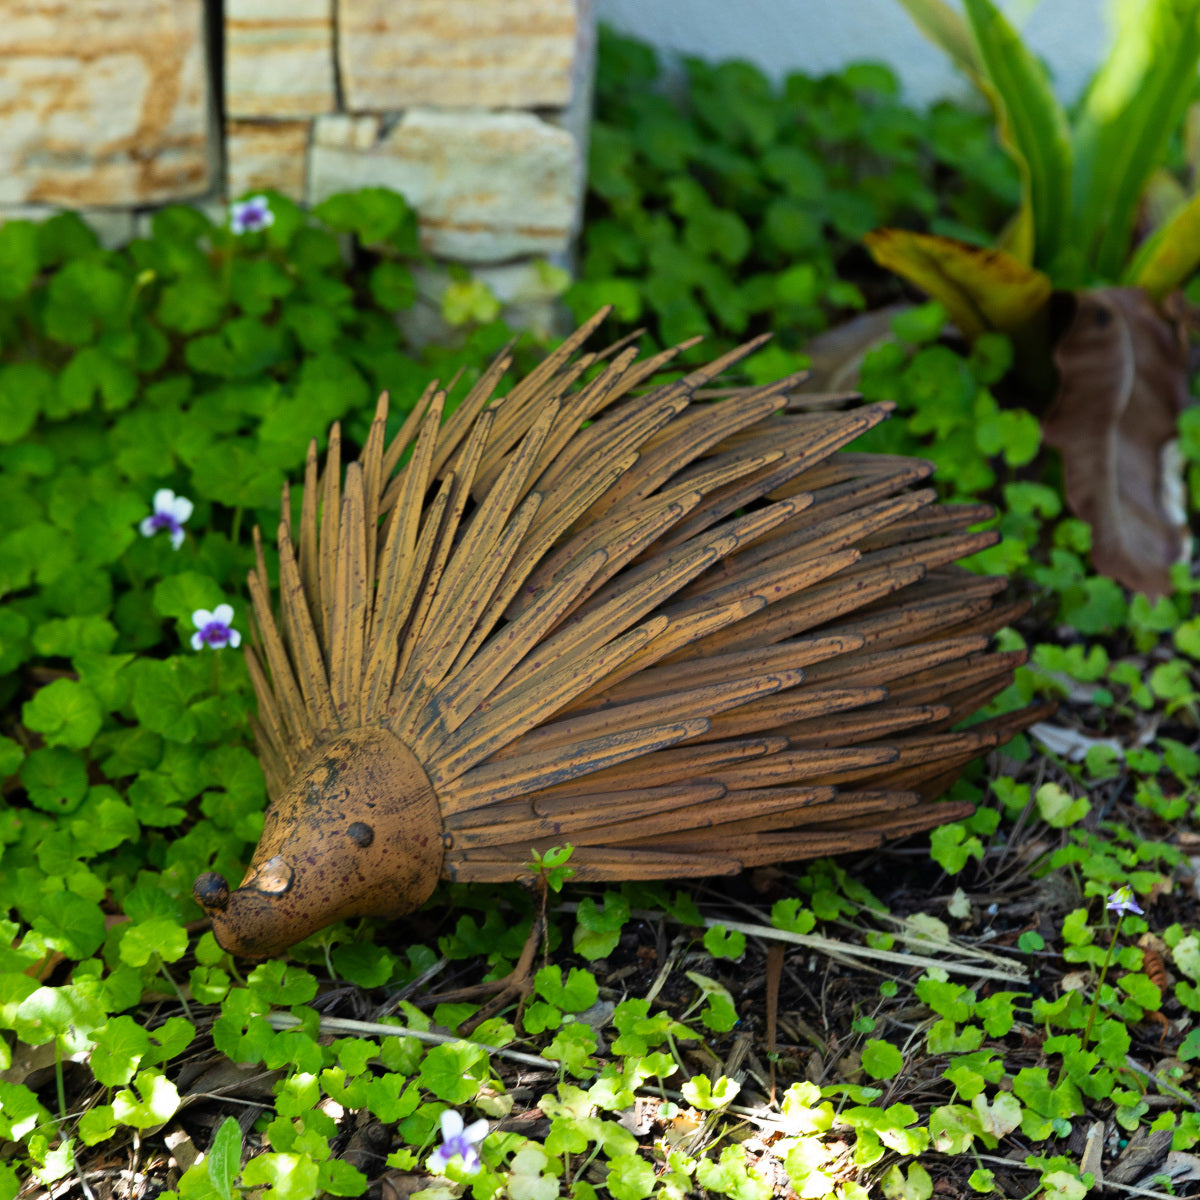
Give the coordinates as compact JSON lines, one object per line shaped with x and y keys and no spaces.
{"x":681,"y":630}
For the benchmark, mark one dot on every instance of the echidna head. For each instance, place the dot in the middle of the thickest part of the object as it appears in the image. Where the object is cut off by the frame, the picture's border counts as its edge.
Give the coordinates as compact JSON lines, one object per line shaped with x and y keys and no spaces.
{"x":357,"y":833}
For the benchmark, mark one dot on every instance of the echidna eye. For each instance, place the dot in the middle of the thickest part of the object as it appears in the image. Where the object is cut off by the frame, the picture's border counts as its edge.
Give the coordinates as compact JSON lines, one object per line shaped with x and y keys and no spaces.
{"x":273,"y":877}
{"x":361,"y":834}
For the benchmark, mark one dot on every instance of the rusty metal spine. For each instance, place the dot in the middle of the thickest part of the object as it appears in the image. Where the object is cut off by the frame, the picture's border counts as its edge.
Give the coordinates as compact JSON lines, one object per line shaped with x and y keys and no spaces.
{"x":683,"y":628}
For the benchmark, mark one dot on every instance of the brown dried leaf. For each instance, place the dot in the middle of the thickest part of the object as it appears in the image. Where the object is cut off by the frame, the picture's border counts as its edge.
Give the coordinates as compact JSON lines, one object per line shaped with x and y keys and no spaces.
{"x":835,"y":356}
{"x":1122,"y":386}
{"x":400,"y":1185}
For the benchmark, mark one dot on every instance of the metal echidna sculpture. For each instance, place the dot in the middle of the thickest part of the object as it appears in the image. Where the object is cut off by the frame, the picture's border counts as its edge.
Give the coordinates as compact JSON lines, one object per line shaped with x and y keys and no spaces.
{"x":685,"y":634}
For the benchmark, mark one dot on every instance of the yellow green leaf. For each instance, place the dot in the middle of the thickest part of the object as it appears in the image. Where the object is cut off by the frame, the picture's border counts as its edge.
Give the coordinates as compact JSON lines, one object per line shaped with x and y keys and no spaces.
{"x":950,"y":32}
{"x":947,"y":30}
{"x":1170,"y":254}
{"x":981,"y":289}
{"x":1016,"y":238}
{"x":1033,"y":124}
{"x":1133,"y":106}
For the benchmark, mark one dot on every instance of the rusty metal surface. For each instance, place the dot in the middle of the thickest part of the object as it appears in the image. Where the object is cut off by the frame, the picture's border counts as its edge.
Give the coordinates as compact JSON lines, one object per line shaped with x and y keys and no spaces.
{"x":685,"y":634}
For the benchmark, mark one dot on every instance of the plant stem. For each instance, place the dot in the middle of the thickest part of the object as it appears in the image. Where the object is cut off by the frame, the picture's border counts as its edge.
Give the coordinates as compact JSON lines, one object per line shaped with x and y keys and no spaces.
{"x":227,"y":272}
{"x":135,"y":580}
{"x":1087,"y":1033}
{"x":58,"y":1080}
{"x":162,"y":967}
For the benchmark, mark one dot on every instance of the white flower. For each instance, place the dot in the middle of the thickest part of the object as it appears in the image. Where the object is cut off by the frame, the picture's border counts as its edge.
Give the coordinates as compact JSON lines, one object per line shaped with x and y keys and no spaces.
{"x":458,"y":1141}
{"x":251,"y":215}
{"x":214,"y":628}
{"x":1122,"y":901}
{"x":170,"y":512}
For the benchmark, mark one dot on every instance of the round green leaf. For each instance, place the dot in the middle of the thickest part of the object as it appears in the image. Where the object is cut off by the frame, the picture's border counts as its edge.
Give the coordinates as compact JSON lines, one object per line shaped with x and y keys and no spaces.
{"x":55,"y":779}
{"x":162,"y":692}
{"x":454,"y":1072}
{"x":26,"y":389}
{"x":881,"y":1060}
{"x":50,"y":1012}
{"x":181,"y":595}
{"x":191,"y":305}
{"x":70,"y":924}
{"x":291,"y":1176}
{"x":92,"y":372}
{"x":375,"y":214}
{"x":12,"y":754}
{"x":159,"y":935}
{"x":157,"y":1102}
{"x":69,"y":636}
{"x":393,"y":286}
{"x":95,"y":1126}
{"x":121,"y":1043}
{"x":65,"y":712}
{"x":18,"y":258}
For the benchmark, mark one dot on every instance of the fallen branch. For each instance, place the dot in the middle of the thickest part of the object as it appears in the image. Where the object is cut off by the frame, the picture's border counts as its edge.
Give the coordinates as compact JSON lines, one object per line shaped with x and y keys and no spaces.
{"x":345,"y":1026}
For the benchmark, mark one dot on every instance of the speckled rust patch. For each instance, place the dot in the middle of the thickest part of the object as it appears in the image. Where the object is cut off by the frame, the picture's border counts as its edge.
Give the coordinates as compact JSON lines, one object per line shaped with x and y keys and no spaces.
{"x":358,"y":834}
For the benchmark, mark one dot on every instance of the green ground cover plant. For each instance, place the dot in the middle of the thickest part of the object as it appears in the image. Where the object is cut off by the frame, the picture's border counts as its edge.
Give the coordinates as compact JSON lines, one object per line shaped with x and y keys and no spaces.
{"x":970,"y":1015}
{"x":723,"y":205}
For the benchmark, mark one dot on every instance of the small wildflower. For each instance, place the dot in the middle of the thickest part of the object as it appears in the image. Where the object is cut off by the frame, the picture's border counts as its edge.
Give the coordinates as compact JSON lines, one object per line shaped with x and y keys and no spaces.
{"x":251,"y":215}
{"x":170,"y":512}
{"x":1122,"y":901}
{"x":214,"y":628}
{"x":458,"y":1141}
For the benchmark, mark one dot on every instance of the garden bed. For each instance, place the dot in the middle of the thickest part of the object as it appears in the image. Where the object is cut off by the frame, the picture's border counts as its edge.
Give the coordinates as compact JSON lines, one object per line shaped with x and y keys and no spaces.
{"x":956,"y":1014}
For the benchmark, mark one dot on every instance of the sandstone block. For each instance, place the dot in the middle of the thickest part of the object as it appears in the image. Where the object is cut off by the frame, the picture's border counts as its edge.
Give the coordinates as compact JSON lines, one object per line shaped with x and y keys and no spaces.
{"x":260,"y":154}
{"x":279,"y":58}
{"x":457,"y":53}
{"x":103,"y":103}
{"x":487,"y":187}
{"x":576,"y":118}
{"x":340,"y":131}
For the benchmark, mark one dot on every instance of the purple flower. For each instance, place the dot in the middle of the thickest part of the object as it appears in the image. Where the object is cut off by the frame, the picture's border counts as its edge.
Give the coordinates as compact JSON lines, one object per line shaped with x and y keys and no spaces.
{"x":214,"y":629}
{"x":1122,"y":901}
{"x":251,"y":215}
{"x":458,"y":1141}
{"x":170,"y":512}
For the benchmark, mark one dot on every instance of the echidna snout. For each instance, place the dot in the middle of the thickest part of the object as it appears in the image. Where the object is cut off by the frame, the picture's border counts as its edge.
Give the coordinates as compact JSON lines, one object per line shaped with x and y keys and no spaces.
{"x":211,"y":892}
{"x":357,"y":834}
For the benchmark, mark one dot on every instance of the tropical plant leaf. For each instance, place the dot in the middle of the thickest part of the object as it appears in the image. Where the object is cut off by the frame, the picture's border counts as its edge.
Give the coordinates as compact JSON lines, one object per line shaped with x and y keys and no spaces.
{"x":1163,"y":196}
{"x":1123,"y":384}
{"x":1170,"y":254}
{"x":1133,"y":105}
{"x":980,"y":289}
{"x":1016,"y":238}
{"x":947,"y":30}
{"x":1033,"y":125}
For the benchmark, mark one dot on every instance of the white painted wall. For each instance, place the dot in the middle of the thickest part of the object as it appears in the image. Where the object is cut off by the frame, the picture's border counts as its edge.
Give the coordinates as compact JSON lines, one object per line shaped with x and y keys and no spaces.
{"x":818,"y":36}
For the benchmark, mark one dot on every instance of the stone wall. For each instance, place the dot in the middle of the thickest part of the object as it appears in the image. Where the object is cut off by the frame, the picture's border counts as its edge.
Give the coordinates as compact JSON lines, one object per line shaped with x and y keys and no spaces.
{"x":475,"y":110}
{"x":463,"y":106}
{"x":105,"y":105}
